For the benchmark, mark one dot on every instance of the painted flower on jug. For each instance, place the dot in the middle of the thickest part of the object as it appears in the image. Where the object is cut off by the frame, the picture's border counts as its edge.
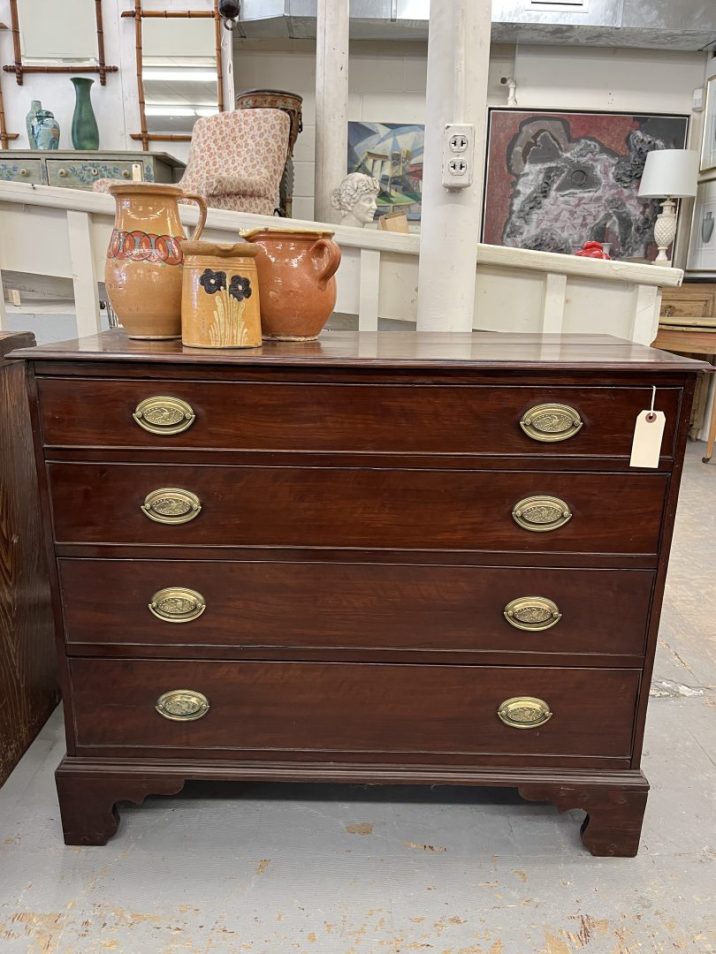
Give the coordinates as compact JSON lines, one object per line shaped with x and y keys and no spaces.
{"x":240,"y":288}
{"x":212,"y":282}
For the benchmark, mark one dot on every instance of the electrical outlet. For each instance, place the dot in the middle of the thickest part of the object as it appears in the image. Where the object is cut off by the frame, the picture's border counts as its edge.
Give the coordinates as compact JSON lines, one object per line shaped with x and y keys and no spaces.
{"x":457,"y":167}
{"x":458,"y":156}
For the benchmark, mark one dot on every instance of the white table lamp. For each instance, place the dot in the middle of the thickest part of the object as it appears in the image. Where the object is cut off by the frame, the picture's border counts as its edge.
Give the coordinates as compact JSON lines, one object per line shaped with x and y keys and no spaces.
{"x":668,"y":174}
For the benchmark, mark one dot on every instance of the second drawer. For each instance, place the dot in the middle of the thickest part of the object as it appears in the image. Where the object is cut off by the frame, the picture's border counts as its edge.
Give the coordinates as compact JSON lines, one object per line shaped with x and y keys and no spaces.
{"x":354,"y":507}
{"x":256,"y":605}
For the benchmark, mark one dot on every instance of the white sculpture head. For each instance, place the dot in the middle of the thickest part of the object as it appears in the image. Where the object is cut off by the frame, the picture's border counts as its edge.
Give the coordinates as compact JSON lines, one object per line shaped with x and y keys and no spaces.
{"x":356,"y":198}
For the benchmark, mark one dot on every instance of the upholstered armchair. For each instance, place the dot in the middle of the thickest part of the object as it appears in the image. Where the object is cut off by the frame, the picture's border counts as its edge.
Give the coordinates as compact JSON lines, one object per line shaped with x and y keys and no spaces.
{"x":236,"y":160}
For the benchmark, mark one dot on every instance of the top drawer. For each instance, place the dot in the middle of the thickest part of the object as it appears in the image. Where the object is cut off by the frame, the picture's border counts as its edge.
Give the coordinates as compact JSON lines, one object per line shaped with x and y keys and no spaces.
{"x":366,"y":418}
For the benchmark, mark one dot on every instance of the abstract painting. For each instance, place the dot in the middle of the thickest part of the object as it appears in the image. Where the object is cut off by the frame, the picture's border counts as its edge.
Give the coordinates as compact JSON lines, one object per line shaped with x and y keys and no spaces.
{"x":558,"y":179}
{"x":393,"y":154}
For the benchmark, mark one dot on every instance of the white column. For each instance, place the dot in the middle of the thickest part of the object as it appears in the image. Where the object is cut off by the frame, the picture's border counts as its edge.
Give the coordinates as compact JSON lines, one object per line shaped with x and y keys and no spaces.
{"x":84,"y":277}
{"x":458,"y":61}
{"x":332,"y":23}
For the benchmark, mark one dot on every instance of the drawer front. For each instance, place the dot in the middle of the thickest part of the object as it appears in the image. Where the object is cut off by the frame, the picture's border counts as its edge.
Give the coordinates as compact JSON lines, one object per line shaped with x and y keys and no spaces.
{"x":693,"y":305}
{"x":297,"y":708}
{"x":351,"y":507}
{"x":22,"y":170}
{"x":357,"y":606}
{"x":82,"y":174}
{"x":364,"y":418}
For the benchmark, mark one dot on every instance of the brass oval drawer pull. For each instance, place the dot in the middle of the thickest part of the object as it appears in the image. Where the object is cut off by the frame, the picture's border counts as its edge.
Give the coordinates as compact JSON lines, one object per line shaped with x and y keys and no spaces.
{"x":182,"y":705}
{"x":177,"y":604}
{"x":171,"y":505}
{"x":524,"y":712}
{"x":541,"y":513}
{"x":164,"y":415}
{"x":532,"y":613}
{"x":550,"y":423}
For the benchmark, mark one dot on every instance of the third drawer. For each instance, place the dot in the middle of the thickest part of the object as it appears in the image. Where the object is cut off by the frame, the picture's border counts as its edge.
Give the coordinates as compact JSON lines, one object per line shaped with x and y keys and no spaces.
{"x":356,"y":606}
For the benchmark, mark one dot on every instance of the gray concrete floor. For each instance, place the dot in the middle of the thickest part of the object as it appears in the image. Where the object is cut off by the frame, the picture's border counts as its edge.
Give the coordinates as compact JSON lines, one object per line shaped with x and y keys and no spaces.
{"x":345,"y":870}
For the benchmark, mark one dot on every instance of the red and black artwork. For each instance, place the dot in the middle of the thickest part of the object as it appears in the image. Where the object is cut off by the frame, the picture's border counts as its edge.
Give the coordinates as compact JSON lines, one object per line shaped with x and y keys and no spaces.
{"x":556,"y":180}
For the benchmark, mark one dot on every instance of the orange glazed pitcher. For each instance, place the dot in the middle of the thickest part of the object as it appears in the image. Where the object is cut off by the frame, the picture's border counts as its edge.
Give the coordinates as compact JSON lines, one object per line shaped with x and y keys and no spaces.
{"x":143,"y":273}
{"x":298,"y":290}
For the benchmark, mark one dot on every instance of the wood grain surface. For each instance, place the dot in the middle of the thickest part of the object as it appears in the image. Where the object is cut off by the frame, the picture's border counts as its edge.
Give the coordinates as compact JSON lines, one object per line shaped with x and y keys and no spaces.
{"x":280,"y":708}
{"x":393,"y":349}
{"x":351,"y":507}
{"x":478,"y":420}
{"x":327,"y":606}
{"x":28,"y":691}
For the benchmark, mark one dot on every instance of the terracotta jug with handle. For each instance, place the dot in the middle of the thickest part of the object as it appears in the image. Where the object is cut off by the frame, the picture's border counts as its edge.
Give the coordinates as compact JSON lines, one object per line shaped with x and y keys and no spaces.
{"x":143,"y":273}
{"x":298,"y":290}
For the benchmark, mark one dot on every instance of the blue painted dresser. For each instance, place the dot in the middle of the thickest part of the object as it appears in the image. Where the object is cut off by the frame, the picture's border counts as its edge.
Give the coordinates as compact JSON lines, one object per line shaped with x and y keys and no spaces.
{"x":76,"y":169}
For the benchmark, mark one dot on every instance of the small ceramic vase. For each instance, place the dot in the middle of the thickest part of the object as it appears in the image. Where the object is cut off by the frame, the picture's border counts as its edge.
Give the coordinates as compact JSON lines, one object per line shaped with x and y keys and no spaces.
{"x":85,"y":133}
{"x":47,"y":130}
{"x":298,"y":290}
{"x":220,"y":296}
{"x":143,"y":273}
{"x":31,"y":122}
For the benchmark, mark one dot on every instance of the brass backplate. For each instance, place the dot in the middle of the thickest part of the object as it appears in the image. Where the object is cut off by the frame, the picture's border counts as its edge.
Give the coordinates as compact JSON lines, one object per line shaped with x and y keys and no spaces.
{"x":171,"y":505}
{"x":182,"y":705}
{"x":550,"y":423}
{"x":177,"y":604}
{"x":532,"y":613}
{"x":164,"y":415}
{"x":541,"y":513}
{"x":524,"y":712}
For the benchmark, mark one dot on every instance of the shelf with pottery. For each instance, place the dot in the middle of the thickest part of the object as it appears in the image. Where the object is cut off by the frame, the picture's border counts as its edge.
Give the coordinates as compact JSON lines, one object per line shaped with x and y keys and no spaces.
{"x":65,"y":233}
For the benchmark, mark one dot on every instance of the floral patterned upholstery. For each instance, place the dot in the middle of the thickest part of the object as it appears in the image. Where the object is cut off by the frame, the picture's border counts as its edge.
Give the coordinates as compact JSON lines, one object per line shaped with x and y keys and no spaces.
{"x":236,"y":160}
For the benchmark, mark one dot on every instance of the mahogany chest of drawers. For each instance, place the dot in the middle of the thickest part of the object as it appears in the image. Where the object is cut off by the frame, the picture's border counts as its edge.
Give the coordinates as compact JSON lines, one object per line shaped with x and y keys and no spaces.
{"x":375,"y":558}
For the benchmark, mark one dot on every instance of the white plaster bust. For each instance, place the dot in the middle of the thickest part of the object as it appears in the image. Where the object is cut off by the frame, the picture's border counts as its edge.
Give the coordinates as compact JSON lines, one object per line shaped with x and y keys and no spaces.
{"x":356,"y":198}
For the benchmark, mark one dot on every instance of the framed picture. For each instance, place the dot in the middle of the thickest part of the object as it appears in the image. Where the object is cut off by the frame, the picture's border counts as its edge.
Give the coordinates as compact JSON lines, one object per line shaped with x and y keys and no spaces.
{"x":702,"y":242}
{"x":393,"y":154}
{"x":708,"y":142}
{"x":555,"y":179}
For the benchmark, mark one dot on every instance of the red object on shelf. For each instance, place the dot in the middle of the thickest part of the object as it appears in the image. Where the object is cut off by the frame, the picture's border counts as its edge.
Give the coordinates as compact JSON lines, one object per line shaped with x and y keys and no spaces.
{"x":592,"y":250}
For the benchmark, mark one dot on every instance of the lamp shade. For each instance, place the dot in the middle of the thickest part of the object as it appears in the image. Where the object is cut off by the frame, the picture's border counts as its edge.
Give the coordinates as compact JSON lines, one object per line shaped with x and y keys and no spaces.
{"x":669,"y":172}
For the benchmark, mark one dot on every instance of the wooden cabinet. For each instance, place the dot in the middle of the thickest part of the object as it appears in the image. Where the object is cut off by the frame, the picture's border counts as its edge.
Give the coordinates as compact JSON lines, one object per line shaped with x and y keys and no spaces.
{"x":28,"y":684}
{"x":688,"y":326}
{"x":371,"y":558}
{"x":690,"y":300}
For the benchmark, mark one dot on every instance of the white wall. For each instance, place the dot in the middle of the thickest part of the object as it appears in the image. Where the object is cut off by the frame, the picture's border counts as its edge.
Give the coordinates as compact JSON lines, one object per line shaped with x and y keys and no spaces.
{"x":387,"y":84}
{"x":116,"y":105}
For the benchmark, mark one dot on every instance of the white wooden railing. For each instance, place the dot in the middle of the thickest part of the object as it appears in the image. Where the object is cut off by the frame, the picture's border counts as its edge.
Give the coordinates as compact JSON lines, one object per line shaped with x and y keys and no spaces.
{"x":63,"y":233}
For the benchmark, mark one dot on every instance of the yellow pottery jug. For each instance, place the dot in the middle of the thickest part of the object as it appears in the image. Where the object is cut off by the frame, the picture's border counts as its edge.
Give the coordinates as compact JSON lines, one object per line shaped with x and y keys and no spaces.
{"x":143,"y":273}
{"x":220,"y":296}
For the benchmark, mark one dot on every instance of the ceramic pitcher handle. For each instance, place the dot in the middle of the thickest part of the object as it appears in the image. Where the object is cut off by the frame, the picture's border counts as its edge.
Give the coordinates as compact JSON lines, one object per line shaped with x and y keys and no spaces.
{"x":201,"y":202}
{"x":326,"y":254}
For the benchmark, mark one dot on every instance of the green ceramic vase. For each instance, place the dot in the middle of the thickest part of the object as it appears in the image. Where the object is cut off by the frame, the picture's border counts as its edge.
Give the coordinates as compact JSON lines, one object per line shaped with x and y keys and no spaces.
{"x":85,"y":133}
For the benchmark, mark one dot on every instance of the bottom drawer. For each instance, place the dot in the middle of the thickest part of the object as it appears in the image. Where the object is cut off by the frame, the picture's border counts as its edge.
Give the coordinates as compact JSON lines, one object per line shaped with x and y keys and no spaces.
{"x":387,"y":711}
